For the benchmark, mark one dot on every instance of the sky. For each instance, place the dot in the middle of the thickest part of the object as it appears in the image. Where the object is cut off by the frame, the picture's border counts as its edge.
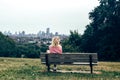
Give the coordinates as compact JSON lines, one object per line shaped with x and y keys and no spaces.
{"x":33,"y":16}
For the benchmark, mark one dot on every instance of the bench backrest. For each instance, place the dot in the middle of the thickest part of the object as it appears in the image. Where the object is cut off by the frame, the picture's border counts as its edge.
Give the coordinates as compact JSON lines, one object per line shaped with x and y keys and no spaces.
{"x":70,"y":58}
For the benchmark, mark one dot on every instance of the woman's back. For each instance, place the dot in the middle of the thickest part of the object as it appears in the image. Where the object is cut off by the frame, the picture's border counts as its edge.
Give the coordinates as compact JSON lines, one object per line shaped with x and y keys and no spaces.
{"x":55,"y":49}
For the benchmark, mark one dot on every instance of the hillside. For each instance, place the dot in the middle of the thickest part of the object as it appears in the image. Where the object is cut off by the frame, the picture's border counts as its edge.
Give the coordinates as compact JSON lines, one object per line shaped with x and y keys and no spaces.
{"x":32,"y":69}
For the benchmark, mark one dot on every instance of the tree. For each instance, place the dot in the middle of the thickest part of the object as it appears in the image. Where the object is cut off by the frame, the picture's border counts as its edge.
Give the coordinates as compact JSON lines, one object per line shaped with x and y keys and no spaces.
{"x":104,"y":31}
{"x":88,"y":41}
{"x":7,"y":46}
{"x":28,"y":50}
{"x":72,"y":44}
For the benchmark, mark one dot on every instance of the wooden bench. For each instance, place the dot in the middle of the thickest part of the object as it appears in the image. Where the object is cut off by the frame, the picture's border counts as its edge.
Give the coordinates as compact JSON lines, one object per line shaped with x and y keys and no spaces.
{"x":70,"y":59}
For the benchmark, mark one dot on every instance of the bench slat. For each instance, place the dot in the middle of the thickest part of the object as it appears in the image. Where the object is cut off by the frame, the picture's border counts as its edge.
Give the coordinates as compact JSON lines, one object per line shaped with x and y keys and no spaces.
{"x":69,"y":58}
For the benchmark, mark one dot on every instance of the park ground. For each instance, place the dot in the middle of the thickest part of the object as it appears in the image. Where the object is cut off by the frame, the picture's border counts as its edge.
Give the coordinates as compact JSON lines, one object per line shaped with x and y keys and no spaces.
{"x":32,"y":69}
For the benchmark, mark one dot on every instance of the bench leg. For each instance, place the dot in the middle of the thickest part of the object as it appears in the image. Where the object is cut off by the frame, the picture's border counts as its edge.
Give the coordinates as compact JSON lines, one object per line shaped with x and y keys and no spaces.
{"x":47,"y":62}
{"x":91,"y":66}
{"x":48,"y":68}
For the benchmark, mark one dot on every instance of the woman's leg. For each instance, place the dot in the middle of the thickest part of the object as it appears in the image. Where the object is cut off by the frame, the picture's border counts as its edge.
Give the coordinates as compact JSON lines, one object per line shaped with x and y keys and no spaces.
{"x":55,"y":67}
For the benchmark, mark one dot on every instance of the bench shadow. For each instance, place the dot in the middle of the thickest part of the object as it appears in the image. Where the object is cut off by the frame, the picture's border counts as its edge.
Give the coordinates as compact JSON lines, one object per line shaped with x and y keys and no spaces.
{"x":73,"y":71}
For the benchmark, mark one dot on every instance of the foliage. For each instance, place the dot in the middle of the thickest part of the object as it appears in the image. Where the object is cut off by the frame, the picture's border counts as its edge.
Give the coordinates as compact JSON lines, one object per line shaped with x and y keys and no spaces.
{"x":28,"y":50}
{"x":87,"y":42}
{"x":44,"y":47}
{"x":7,"y":46}
{"x":103,"y":33}
{"x":72,"y":43}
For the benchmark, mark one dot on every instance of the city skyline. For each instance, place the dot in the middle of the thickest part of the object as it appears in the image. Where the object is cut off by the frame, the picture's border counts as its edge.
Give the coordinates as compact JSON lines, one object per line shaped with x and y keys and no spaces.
{"x":17,"y":36}
{"x":34,"y":15}
{"x":46,"y":31}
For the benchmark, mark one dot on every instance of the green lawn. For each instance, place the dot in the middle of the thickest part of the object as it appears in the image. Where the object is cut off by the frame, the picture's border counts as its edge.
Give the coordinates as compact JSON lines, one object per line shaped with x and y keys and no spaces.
{"x":32,"y":69}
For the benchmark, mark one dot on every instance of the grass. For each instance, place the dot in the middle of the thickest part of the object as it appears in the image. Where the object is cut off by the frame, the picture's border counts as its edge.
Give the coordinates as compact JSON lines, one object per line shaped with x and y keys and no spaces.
{"x":32,"y":69}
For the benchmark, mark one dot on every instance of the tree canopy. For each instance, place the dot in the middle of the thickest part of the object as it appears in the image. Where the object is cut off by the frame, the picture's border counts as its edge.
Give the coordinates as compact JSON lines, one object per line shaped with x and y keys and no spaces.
{"x":103,"y":33}
{"x":7,"y":45}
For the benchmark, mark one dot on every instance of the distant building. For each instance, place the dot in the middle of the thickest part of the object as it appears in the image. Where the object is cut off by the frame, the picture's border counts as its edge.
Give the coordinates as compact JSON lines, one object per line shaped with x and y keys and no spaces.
{"x":56,"y":33}
{"x":48,"y":31}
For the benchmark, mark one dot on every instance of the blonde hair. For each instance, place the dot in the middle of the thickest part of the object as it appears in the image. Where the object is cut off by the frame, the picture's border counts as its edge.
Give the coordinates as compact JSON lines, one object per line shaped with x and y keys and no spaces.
{"x":55,"y":41}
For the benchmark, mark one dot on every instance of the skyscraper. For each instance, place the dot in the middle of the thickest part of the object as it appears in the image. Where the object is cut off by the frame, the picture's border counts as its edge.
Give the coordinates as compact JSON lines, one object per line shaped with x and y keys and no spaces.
{"x":48,"y":31}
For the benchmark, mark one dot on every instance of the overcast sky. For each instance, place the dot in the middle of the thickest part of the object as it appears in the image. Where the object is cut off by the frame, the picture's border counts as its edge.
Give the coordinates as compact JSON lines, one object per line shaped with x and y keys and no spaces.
{"x":35,"y":15}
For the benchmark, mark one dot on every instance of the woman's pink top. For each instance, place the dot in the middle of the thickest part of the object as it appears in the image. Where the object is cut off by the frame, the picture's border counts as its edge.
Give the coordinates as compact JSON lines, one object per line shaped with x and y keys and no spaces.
{"x":55,"y":49}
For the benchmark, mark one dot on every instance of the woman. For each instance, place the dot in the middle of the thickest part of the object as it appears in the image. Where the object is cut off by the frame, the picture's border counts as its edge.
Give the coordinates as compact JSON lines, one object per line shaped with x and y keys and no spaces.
{"x":55,"y":48}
